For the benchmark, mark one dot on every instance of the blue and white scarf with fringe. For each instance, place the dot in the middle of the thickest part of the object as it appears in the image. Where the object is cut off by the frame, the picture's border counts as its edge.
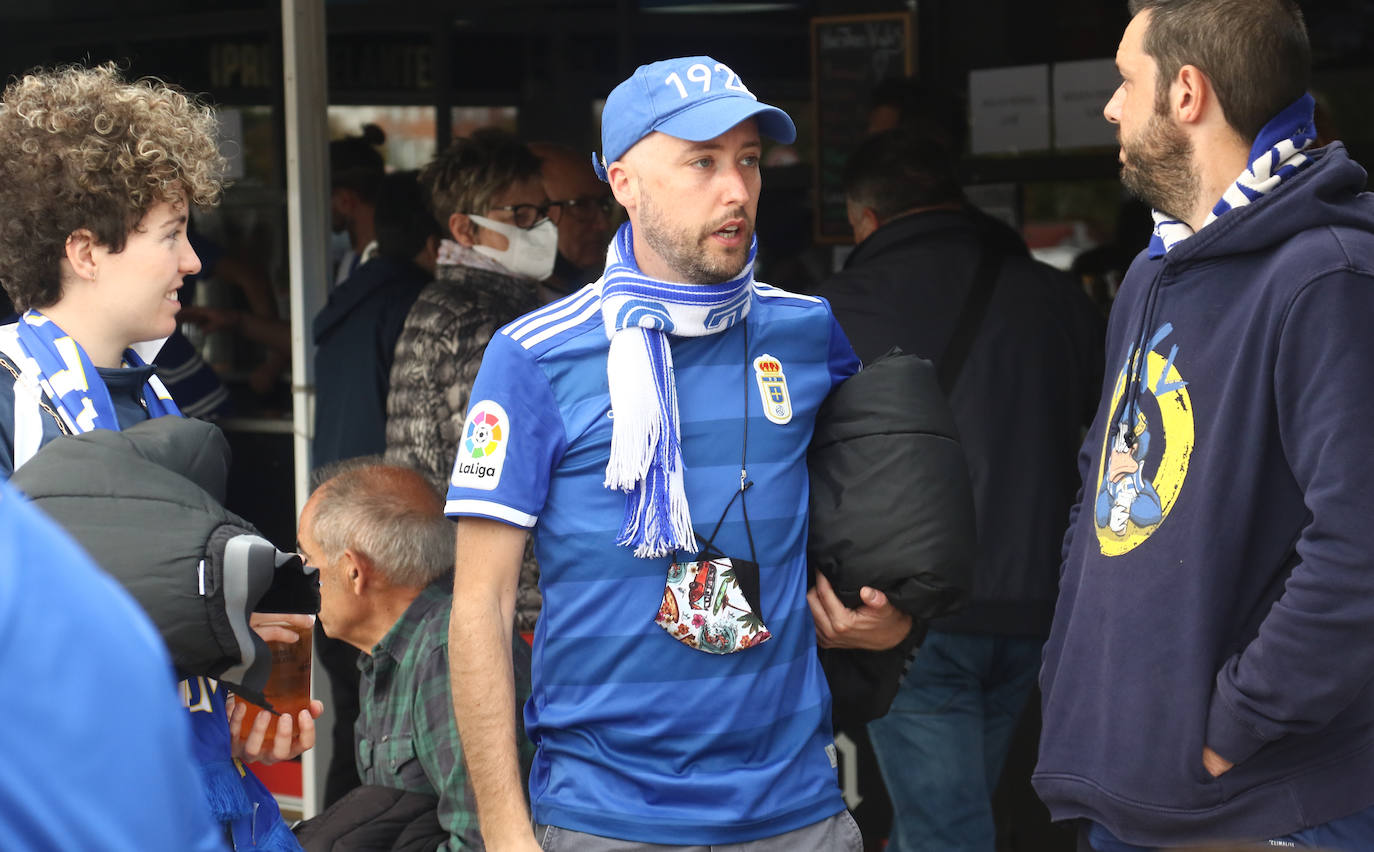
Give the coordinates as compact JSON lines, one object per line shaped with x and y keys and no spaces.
{"x":639,"y":313}
{"x":1274,"y":158}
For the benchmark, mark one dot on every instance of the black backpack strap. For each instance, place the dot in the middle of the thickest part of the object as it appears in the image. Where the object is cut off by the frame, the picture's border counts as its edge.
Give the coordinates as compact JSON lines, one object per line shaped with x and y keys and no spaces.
{"x":970,"y":318}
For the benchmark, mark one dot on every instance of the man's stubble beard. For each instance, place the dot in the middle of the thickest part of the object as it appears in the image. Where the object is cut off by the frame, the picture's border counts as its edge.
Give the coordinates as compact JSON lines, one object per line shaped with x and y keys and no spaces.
{"x":1158,"y":168}
{"x":684,"y":254}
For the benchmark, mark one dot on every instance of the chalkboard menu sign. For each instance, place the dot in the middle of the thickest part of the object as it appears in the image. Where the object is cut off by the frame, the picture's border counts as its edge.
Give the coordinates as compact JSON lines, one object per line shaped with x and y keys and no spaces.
{"x":849,"y":56}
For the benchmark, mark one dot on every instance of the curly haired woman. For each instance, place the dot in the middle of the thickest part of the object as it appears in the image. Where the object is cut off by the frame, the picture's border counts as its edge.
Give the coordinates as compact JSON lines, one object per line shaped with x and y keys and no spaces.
{"x":96,"y":183}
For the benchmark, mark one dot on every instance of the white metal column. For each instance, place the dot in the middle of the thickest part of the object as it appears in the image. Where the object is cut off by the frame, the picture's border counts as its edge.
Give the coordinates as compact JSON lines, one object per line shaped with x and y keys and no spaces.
{"x":307,"y":202}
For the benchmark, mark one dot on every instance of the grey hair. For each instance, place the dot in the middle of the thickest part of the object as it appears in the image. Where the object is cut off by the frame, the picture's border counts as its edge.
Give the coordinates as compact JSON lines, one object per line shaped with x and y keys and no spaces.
{"x":322,"y":474}
{"x":389,"y":514}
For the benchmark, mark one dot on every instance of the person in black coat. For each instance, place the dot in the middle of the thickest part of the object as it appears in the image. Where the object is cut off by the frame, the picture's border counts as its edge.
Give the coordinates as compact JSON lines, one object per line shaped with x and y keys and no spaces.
{"x":356,"y":331}
{"x":1025,"y":390}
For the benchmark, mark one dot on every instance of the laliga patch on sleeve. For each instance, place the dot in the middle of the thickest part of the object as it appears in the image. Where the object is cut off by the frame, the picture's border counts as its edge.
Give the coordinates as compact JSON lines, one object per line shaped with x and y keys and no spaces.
{"x":482,"y":451}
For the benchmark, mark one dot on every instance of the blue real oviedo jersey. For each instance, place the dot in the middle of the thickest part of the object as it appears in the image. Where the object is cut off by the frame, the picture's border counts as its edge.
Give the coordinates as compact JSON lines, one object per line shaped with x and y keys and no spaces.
{"x":638,"y":736}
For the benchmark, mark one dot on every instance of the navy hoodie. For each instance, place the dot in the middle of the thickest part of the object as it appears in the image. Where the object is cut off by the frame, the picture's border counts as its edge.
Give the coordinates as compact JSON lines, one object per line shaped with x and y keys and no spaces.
{"x":1218,"y":584}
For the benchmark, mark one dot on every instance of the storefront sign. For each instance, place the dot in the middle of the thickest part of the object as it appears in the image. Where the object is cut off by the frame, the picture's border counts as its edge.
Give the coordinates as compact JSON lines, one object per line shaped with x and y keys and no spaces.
{"x":1009,"y":109}
{"x":1081,"y":90}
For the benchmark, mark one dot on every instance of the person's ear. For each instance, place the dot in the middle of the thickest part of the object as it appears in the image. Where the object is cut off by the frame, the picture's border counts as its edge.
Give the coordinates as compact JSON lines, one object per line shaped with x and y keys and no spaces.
{"x":81,"y":252}
{"x":357,"y":570}
{"x":863,"y":220}
{"x":463,"y":229}
{"x":1189,"y":95}
{"x":870,"y":221}
{"x":623,"y":184}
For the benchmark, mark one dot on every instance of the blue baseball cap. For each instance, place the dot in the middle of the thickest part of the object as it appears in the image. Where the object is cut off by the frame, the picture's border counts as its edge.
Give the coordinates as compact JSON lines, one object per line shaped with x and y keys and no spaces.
{"x":693,"y":97}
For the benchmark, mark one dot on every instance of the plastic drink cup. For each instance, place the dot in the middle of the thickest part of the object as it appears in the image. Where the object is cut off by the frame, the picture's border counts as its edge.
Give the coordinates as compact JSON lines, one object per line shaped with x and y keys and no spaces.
{"x":288,"y":686}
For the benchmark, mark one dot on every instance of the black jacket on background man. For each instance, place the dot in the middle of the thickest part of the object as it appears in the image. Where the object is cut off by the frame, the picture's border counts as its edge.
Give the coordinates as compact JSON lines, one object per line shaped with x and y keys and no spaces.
{"x":1026,"y":391}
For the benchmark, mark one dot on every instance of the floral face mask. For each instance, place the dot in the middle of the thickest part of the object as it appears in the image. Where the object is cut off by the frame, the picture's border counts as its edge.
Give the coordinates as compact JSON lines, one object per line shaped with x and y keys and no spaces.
{"x":712,"y":603}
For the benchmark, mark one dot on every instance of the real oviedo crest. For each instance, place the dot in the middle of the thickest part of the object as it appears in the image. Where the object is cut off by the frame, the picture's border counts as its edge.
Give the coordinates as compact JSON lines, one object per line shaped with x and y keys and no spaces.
{"x":482,"y":450}
{"x":777,"y":403}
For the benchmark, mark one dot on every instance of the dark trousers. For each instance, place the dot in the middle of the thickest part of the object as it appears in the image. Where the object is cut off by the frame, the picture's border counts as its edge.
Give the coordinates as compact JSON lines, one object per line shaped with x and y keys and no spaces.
{"x":942,"y":744}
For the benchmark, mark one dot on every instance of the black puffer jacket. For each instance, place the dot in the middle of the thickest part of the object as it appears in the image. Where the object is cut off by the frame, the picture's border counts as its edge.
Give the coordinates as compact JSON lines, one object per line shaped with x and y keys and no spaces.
{"x":146,"y":503}
{"x":891,"y":504}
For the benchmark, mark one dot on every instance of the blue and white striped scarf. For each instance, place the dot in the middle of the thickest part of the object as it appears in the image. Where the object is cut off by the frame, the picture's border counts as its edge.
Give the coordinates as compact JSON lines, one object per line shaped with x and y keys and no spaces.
{"x":646,"y":446}
{"x":68,"y":377}
{"x":1274,"y":158}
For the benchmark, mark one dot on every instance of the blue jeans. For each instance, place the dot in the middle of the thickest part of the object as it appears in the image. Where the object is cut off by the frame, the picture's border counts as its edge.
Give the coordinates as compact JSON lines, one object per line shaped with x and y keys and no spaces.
{"x":941,"y":747}
{"x":1354,"y":833}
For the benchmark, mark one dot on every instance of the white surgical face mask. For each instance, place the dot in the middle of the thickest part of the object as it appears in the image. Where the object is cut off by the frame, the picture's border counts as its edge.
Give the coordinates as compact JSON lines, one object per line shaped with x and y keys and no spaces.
{"x":530,"y":254}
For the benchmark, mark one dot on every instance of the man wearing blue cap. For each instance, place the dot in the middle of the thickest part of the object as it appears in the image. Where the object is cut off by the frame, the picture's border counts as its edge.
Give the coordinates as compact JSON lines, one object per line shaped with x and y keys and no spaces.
{"x":677,"y":698}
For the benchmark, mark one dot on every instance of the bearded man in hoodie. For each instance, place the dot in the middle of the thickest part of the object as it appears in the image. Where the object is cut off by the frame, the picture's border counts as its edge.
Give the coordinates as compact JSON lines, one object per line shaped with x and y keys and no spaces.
{"x":1207,"y":676}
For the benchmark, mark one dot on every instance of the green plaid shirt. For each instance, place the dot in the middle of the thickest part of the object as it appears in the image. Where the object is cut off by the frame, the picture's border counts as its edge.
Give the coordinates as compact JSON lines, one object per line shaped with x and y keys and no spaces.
{"x":406,"y":737}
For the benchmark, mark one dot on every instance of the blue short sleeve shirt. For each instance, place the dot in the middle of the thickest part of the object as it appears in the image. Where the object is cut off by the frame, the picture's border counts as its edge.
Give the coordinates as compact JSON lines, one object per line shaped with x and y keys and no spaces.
{"x":638,"y":736}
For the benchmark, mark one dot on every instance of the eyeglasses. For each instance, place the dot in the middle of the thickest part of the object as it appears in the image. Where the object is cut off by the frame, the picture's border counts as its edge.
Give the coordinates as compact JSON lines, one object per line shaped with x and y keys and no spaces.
{"x":585,"y":207}
{"x":526,"y":216}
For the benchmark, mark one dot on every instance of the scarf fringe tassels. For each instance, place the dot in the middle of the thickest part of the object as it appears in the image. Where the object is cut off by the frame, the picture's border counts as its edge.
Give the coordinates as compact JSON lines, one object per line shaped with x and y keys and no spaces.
{"x":645,"y":444}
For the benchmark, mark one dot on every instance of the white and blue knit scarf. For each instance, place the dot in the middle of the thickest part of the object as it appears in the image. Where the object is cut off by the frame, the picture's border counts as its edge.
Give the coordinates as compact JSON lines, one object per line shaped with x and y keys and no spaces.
{"x":1274,"y":158}
{"x":68,"y":377}
{"x":639,"y":313}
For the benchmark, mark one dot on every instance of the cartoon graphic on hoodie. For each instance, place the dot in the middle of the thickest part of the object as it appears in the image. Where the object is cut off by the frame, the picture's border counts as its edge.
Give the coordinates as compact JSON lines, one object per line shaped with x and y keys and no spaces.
{"x":1151,"y":411}
{"x":1125,"y":492}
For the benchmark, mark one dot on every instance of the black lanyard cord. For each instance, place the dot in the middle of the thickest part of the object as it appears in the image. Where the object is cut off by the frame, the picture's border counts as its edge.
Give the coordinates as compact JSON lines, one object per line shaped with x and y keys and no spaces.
{"x":744,"y":483}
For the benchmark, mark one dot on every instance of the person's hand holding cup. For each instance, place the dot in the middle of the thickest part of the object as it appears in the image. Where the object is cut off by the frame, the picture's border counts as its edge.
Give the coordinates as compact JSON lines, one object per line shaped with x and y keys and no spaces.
{"x":266,"y":737}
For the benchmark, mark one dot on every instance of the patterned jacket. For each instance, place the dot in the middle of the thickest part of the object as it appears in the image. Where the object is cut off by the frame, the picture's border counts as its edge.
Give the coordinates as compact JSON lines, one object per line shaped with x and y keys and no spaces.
{"x":436,"y":360}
